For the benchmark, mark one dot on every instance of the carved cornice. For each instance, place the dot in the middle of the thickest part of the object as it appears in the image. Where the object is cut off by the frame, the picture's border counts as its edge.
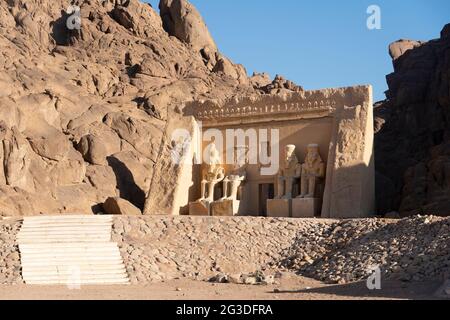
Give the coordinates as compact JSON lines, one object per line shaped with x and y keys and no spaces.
{"x":262,"y":108}
{"x":206,"y":112}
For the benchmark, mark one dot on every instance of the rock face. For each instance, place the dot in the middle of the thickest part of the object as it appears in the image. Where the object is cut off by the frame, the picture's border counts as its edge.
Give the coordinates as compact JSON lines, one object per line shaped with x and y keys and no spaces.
{"x":84,"y":113}
{"x":412,"y":141}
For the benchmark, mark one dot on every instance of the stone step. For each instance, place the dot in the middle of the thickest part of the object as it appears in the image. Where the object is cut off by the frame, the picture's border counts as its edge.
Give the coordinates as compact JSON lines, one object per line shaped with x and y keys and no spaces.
{"x":93,"y":244}
{"x":56,"y":249}
{"x":75,"y":274}
{"x":64,"y":228}
{"x":71,"y":264}
{"x":77,"y":264}
{"x":83,"y":268}
{"x":70,"y":260}
{"x":82,"y":272}
{"x":69,"y":251}
{"x":68,"y":224}
{"x":76,"y":278}
{"x":81,"y":235}
{"x":63,"y":239}
{"x":44,"y":232}
{"x":72,"y":256}
{"x":44,"y":282}
{"x":69,"y":217}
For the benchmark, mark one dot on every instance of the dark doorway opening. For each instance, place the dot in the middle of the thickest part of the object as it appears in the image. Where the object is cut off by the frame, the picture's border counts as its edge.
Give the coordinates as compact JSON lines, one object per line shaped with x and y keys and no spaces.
{"x":266,"y":192}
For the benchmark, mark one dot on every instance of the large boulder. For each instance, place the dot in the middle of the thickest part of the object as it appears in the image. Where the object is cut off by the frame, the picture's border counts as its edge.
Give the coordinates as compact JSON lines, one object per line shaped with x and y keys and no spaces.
{"x":138,"y":17}
{"x":398,"y":48}
{"x":182,"y":20}
{"x":93,"y":149}
{"x":120,"y":206}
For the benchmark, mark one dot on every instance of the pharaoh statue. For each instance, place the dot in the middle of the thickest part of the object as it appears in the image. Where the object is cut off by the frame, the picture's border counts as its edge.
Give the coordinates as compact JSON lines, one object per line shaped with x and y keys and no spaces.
{"x":287,"y":173}
{"x":212,"y":175}
{"x":312,"y":170}
{"x":237,"y":175}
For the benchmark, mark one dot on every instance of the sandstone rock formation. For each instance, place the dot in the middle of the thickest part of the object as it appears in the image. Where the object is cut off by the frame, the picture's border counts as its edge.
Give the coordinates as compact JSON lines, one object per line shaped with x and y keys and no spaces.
{"x":412,"y":142}
{"x":85,"y":114}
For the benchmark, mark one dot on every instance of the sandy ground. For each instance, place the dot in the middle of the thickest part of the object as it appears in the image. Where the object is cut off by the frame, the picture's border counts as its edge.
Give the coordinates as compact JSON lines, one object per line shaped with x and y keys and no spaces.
{"x":293,"y":288}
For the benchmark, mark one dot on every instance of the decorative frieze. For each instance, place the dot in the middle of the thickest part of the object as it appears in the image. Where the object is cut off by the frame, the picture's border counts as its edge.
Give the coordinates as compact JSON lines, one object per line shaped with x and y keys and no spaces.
{"x":208,"y":112}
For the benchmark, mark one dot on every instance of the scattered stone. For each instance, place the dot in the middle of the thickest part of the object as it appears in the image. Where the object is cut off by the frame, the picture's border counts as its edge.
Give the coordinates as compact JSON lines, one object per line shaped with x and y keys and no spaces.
{"x":235,"y":278}
{"x":161,"y":248}
{"x":220,"y":278}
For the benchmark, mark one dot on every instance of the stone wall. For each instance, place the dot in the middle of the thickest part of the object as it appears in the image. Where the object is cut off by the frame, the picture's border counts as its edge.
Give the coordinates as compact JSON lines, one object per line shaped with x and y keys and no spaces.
{"x":161,"y":248}
{"x":10,"y":269}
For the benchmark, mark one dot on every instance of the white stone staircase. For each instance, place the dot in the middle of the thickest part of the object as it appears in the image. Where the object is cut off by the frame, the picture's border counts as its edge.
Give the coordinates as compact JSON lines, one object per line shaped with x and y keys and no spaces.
{"x":70,"y":250}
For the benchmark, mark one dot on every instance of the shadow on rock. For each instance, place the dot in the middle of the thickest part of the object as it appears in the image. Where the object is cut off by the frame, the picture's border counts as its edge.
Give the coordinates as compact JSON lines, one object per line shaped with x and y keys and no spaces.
{"x":126,"y":184}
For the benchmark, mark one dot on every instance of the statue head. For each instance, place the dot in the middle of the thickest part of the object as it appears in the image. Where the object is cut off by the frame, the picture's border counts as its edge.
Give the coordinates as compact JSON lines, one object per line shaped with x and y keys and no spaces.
{"x":241,"y":157}
{"x":213,"y":156}
{"x":312,"y":154}
{"x":290,"y":149}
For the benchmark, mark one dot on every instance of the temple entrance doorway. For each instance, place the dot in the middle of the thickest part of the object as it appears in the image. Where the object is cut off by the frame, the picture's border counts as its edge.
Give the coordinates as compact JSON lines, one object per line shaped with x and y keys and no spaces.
{"x":266,"y":192}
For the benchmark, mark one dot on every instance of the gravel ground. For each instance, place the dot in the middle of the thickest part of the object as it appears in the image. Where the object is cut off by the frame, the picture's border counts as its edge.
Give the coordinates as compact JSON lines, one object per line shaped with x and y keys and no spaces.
{"x":289,"y":288}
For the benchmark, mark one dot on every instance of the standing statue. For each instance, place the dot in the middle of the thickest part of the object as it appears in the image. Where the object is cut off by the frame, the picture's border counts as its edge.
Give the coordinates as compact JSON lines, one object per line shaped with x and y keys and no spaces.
{"x":212,"y":175}
{"x":237,"y":176}
{"x":287,"y":173}
{"x":312,"y":170}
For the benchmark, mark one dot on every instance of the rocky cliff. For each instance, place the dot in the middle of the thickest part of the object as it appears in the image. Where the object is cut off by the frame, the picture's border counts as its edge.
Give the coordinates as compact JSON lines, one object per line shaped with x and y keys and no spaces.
{"x":84,"y":112}
{"x":412,"y":142}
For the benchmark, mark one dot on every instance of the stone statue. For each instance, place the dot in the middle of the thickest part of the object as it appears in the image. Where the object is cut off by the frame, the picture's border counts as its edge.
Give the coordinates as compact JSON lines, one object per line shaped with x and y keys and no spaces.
{"x":213,"y":174}
{"x":237,"y":176}
{"x":287,"y":173}
{"x":312,"y":170}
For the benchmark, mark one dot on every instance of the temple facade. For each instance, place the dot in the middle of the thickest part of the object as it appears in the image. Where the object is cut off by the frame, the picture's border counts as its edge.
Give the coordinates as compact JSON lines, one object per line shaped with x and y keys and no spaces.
{"x":304,"y":154}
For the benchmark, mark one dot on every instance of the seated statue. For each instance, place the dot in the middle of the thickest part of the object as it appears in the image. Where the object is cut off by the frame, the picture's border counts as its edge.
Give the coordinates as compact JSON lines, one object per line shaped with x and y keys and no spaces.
{"x":287,"y":173}
{"x":212,"y":175}
{"x":312,"y":170}
{"x":235,"y":179}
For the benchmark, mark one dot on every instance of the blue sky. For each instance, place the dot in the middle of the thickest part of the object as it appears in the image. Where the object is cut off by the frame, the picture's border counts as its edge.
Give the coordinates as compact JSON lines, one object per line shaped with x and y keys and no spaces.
{"x":319,"y":43}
